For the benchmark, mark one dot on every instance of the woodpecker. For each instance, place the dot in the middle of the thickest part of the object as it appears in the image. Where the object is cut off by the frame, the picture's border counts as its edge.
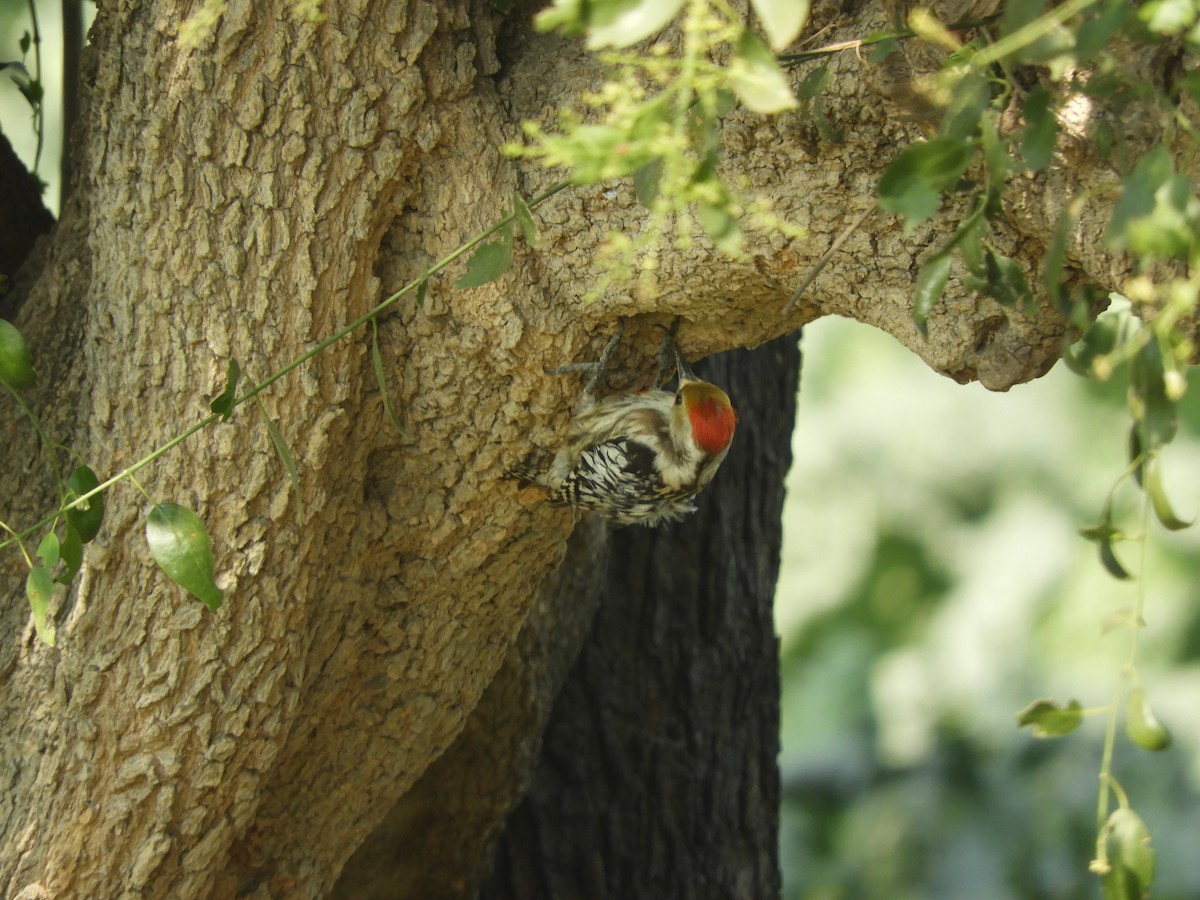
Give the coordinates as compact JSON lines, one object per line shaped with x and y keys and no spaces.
{"x":639,"y":458}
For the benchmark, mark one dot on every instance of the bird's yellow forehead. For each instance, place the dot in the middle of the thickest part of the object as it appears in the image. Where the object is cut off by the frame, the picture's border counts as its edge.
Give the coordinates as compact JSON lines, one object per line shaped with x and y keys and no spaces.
{"x":699,"y":391}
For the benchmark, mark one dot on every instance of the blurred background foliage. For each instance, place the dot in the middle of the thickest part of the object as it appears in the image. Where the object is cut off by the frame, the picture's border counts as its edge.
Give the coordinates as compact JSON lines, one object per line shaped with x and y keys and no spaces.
{"x":933,"y":585}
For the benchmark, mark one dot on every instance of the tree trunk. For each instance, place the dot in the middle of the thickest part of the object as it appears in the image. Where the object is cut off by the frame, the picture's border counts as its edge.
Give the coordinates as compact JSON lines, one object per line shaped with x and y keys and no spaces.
{"x":658,"y":774}
{"x":245,"y":199}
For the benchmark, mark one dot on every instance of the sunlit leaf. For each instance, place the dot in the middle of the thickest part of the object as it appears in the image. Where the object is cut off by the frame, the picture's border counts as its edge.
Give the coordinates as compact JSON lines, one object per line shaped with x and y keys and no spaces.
{"x":16,"y":363}
{"x":39,"y":589}
{"x":47,"y":551}
{"x":756,"y":78}
{"x":1046,"y":719}
{"x":619,"y":23}
{"x":489,"y":261}
{"x":1167,"y":16}
{"x":1141,"y":725}
{"x":180,"y":545}
{"x":782,"y":20}
{"x":222,"y":404}
{"x":1130,"y":856}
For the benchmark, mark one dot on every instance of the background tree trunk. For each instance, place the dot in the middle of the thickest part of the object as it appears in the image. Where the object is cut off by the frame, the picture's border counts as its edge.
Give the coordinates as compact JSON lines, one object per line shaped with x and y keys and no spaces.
{"x":658,"y":774}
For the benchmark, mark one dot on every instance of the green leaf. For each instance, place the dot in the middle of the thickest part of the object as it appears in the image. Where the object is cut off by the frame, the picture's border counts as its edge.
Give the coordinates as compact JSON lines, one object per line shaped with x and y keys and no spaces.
{"x":1054,"y":262}
{"x":812,"y":85}
{"x":1168,"y":17}
{"x":222,"y":404}
{"x":931,"y":284}
{"x":969,"y":236}
{"x":1019,"y":13}
{"x":720,"y":225}
{"x":1108,"y":559}
{"x":1094,"y":33}
{"x":997,"y":158}
{"x":1157,"y":215}
{"x":646,"y":181}
{"x":619,"y":23}
{"x":1154,"y":410}
{"x":1131,"y":858}
{"x":913,"y":183}
{"x":72,"y":555}
{"x":381,"y":378}
{"x":1141,"y":725}
{"x":1108,"y":331}
{"x":285,"y":454}
{"x":47,"y":551}
{"x":16,"y":363}
{"x":1153,"y":486}
{"x":756,"y":78}
{"x":489,"y":261}
{"x":884,"y":44}
{"x":181,"y":547}
{"x":1047,"y":719}
{"x":525,"y":220}
{"x":963,"y":118}
{"x":1104,"y":534}
{"x":570,"y":16}
{"x":33,"y":91}
{"x":1041,"y":129}
{"x":39,"y":589}
{"x":422,"y":291}
{"x":88,"y":516}
{"x":782,"y":20}
{"x":1005,"y":281}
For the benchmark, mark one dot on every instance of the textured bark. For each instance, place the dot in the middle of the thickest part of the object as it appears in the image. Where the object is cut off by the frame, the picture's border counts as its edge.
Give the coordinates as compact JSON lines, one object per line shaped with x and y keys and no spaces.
{"x":246,"y":198}
{"x":432,"y":843}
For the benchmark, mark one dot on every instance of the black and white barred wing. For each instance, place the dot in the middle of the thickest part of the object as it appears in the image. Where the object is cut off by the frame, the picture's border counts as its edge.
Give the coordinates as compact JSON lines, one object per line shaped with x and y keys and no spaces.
{"x":618,"y":478}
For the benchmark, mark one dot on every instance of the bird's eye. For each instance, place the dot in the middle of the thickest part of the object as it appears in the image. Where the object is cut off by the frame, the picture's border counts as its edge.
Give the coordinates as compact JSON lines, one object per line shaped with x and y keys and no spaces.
{"x":678,"y":399}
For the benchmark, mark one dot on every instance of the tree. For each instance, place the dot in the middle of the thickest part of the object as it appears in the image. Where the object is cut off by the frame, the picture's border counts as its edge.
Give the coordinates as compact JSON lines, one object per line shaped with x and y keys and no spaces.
{"x":242,"y":199}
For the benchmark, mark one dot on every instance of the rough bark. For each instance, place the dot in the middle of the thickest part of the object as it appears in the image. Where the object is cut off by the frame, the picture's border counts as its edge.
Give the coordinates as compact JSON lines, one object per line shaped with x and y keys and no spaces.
{"x":243,"y":199}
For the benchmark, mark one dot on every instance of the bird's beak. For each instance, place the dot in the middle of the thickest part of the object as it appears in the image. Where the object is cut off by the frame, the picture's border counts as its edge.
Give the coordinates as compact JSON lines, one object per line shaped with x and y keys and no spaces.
{"x":685,"y":371}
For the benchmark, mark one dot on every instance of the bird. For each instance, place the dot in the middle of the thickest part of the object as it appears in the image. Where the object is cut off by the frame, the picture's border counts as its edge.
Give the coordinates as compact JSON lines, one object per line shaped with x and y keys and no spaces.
{"x":638,"y":457}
